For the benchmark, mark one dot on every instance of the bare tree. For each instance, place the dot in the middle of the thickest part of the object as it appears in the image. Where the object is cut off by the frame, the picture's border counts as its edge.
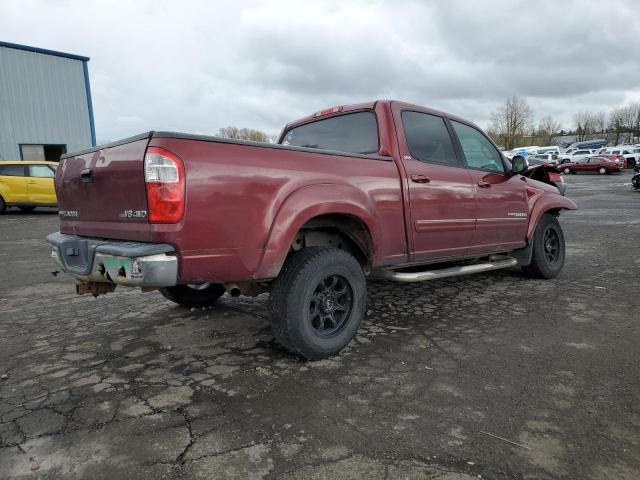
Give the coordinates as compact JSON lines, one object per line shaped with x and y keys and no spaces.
{"x":244,"y":134}
{"x":584,"y":122}
{"x":548,"y":128}
{"x":510,"y":122}
{"x":616,"y":123}
{"x":634,"y":116}
{"x":600,"y":123}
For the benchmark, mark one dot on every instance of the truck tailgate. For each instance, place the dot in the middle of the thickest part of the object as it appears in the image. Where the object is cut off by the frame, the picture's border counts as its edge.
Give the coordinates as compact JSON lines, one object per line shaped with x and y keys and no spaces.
{"x":102,"y":193}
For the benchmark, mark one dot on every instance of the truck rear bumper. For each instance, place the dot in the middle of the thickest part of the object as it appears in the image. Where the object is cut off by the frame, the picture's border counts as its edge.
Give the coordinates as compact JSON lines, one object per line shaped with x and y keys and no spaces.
{"x":133,"y":264}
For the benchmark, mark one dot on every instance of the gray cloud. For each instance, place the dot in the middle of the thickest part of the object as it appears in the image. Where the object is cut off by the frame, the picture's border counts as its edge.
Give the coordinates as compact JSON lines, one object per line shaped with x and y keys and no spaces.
{"x":196,"y":66}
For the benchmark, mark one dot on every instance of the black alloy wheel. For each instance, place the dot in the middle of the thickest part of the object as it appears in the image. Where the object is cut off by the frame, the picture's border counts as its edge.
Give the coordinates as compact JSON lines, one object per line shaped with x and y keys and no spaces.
{"x":547,"y":258}
{"x":551,"y":244}
{"x":330,"y":305}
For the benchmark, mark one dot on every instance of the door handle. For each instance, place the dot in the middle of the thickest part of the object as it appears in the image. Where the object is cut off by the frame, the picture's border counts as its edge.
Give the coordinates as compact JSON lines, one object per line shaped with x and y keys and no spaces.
{"x":420,"y":178}
{"x":86,"y":175}
{"x":483,"y":184}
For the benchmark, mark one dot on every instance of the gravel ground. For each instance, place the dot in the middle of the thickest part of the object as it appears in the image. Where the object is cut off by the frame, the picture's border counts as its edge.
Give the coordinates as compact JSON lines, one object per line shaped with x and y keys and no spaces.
{"x":494,"y":375}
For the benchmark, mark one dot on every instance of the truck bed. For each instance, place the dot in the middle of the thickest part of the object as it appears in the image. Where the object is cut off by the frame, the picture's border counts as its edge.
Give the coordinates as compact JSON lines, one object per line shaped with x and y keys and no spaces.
{"x":235,"y":190}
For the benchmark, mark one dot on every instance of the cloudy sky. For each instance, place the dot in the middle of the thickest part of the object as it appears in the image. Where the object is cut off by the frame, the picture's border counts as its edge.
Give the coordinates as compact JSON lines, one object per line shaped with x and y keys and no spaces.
{"x":196,"y":66}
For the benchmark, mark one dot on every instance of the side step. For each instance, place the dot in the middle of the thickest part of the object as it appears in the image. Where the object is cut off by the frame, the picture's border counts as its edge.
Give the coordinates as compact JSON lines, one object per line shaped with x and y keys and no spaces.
{"x":406,"y":277}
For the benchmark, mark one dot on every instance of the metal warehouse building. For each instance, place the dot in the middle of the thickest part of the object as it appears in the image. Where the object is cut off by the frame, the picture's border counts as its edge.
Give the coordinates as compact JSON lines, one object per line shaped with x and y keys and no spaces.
{"x":45,"y":103}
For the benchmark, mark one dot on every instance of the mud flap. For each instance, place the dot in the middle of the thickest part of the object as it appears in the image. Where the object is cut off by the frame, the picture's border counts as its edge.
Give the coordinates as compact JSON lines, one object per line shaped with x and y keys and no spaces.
{"x":523,"y":255}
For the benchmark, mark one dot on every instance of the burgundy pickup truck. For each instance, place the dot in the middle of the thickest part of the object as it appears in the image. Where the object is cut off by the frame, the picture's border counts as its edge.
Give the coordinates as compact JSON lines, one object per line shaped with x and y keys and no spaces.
{"x":382,"y":189}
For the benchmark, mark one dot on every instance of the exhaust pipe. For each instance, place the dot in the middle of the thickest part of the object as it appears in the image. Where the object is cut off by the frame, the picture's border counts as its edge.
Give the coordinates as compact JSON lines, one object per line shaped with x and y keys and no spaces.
{"x":233,"y":289}
{"x":248,"y":289}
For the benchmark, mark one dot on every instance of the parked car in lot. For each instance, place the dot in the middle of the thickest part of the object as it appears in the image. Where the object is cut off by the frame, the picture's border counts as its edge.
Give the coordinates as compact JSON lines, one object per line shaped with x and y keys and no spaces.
{"x":27,"y":184}
{"x":552,"y":149}
{"x":550,"y":159}
{"x":588,"y":144}
{"x":630,"y":154}
{"x":383,"y":189}
{"x":599,"y":163}
{"x":575,"y":156}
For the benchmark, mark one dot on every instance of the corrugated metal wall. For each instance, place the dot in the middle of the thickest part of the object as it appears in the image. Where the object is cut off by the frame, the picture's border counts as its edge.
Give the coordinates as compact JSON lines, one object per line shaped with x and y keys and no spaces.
{"x":43,"y":100}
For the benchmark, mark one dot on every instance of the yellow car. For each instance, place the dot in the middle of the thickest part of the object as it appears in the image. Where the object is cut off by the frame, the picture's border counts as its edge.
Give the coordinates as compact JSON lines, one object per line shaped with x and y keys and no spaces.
{"x":27,"y":185}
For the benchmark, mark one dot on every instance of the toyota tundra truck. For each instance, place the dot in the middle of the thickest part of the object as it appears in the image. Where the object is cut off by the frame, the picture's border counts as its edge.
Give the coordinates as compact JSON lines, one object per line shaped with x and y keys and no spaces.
{"x":383,"y":189}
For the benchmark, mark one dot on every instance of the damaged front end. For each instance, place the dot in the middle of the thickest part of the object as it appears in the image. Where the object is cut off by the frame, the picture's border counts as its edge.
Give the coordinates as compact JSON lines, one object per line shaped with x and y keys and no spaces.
{"x":547,"y":174}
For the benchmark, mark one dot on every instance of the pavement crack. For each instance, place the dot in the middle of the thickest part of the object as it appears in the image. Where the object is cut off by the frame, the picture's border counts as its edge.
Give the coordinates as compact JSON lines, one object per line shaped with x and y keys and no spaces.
{"x":180,"y":459}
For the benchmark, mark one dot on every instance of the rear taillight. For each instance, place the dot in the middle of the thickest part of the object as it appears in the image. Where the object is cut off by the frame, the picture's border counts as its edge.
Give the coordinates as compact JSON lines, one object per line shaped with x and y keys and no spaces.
{"x":164,"y":179}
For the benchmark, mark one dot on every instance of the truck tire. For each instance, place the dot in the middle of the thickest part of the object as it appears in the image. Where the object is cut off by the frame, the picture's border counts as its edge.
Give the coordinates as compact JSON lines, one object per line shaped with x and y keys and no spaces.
{"x":318,"y":301}
{"x":548,"y":249}
{"x":193,"y":296}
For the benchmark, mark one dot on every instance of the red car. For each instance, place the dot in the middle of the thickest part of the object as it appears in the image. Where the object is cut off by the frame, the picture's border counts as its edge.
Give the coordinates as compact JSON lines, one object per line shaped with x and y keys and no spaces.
{"x":619,"y":159}
{"x":600,"y":163}
{"x":384,"y":189}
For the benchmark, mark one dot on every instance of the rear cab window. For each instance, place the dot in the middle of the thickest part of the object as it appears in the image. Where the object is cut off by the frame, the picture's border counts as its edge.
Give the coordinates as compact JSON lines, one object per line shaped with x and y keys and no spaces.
{"x":479,"y":152}
{"x":12,"y":170}
{"x":351,"y":133}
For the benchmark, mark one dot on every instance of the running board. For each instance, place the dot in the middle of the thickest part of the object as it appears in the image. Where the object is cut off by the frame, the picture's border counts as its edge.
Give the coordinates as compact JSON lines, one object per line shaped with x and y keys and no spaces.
{"x":406,"y":277}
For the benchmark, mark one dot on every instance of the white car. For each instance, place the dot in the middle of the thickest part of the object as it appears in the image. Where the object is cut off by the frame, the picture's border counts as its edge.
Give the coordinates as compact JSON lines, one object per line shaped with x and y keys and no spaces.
{"x":551,"y":149}
{"x":630,"y":152}
{"x":575,"y":155}
{"x":548,"y":158}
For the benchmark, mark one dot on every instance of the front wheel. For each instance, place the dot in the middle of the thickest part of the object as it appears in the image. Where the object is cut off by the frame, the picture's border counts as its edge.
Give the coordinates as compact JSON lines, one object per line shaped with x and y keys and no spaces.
{"x":548,"y":249}
{"x":603,"y":171}
{"x":318,"y":301}
{"x":202,"y":295}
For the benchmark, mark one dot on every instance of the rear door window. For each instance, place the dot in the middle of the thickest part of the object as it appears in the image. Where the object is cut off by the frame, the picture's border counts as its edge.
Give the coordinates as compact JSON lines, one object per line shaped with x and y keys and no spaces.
{"x":351,"y":133}
{"x":12,"y":170}
{"x":479,"y":152}
{"x":428,"y":138}
{"x":41,"y":171}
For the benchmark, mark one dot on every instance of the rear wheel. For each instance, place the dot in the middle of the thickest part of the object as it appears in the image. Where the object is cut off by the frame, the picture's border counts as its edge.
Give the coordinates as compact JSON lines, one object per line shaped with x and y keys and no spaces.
{"x":548,"y":249}
{"x":27,"y":209}
{"x":603,"y":171}
{"x":202,"y":295}
{"x":567,"y":171}
{"x":318,"y":301}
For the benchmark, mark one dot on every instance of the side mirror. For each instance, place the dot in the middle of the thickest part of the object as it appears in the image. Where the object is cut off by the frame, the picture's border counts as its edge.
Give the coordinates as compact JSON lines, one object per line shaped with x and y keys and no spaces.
{"x":519,"y":165}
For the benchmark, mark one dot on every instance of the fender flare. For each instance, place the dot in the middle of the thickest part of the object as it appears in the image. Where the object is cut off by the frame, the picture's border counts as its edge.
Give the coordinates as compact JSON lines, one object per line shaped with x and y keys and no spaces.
{"x":545,"y":203}
{"x":304,"y":204}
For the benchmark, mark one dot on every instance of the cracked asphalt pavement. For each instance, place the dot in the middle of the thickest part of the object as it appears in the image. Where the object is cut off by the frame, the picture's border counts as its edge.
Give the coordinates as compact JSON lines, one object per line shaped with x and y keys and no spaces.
{"x":495,"y":375}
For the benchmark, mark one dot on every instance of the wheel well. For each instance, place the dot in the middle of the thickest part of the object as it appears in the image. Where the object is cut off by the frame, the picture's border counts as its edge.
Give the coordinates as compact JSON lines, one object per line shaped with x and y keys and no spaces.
{"x":336,"y":230}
